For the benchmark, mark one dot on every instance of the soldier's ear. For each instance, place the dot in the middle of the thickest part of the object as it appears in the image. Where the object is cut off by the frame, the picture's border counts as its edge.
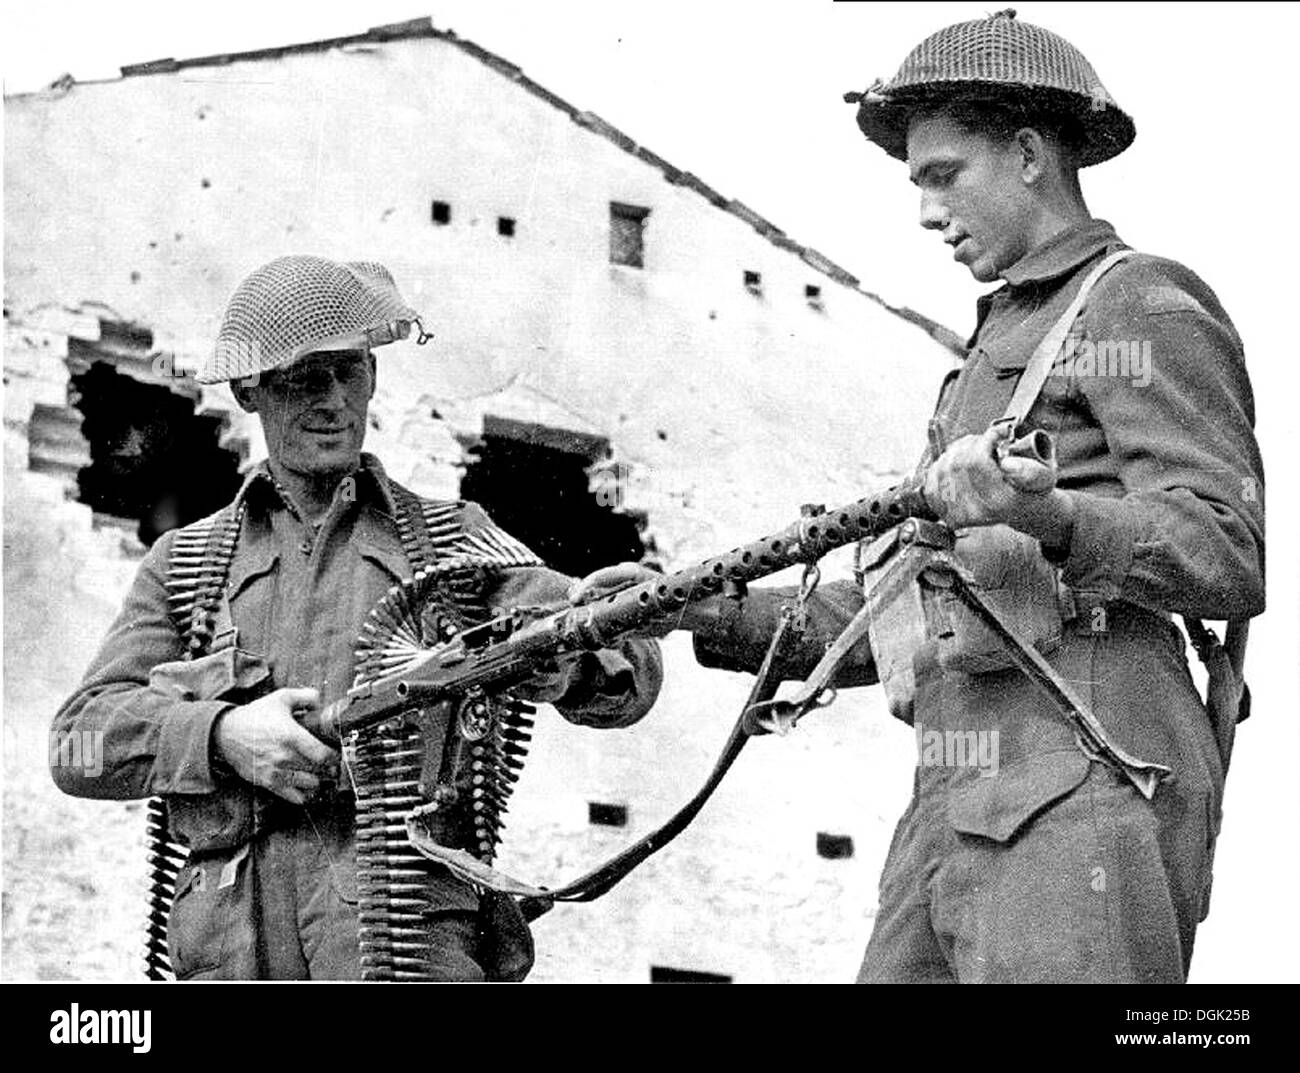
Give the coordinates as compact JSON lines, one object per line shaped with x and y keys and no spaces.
{"x":374,"y":371}
{"x":1033,"y":154}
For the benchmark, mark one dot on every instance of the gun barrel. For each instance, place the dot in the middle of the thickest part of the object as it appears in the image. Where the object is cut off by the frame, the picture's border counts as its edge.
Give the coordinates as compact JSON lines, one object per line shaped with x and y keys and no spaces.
{"x":603,"y":622}
{"x":597,"y":624}
{"x":645,"y":606}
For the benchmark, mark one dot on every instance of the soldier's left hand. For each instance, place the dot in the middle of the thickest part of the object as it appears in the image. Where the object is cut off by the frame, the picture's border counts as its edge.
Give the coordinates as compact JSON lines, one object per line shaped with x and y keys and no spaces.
{"x":609,"y":579}
{"x":972,"y":484}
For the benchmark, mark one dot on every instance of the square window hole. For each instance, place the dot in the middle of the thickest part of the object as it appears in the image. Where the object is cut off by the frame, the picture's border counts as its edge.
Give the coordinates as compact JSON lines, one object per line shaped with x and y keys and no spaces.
{"x":834,"y":847}
{"x":604,"y":814}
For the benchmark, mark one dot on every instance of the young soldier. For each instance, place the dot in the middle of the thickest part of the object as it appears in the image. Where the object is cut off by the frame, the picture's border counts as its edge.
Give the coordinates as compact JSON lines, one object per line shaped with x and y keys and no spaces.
{"x":315,"y":537}
{"x":1057,"y":868}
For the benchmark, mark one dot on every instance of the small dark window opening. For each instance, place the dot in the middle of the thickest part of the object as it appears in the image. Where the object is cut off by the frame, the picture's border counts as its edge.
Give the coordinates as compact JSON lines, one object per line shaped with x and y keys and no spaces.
{"x":663,"y":974}
{"x":603,"y":814}
{"x":812,"y":292}
{"x":506,"y":226}
{"x":441,"y":212}
{"x":532,"y":480}
{"x":627,"y":234}
{"x":151,"y":458}
{"x":834,"y":847}
{"x":753,"y":282}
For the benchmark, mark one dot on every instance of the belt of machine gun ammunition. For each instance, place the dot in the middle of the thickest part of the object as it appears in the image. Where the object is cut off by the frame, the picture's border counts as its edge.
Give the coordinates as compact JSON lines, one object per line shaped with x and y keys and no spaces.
{"x":463,"y":757}
{"x":196,"y":573}
{"x":397,"y":887}
{"x":484,"y":740}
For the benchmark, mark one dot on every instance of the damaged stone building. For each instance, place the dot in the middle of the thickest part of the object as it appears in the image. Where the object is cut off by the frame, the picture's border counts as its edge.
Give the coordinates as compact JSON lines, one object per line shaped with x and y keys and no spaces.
{"x":625,"y":363}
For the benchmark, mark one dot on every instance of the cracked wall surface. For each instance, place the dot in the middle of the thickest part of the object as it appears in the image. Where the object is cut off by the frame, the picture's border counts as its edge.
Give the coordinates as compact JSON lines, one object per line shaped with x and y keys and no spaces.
{"x":144,"y":201}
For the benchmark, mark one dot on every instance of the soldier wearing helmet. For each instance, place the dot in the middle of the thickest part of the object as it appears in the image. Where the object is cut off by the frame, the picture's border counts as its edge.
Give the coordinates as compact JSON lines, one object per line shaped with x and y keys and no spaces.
{"x":1053,"y":867}
{"x":203,"y":711}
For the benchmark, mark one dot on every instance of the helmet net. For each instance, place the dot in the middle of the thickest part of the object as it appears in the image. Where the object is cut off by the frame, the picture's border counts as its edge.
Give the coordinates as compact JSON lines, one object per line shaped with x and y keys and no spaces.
{"x":296,"y":304}
{"x":1000,"y":50}
{"x":1000,"y":58}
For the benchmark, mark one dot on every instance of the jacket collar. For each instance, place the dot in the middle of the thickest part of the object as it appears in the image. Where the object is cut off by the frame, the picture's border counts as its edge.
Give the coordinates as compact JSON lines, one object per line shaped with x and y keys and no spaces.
{"x":371,"y":483}
{"x":1063,"y":253}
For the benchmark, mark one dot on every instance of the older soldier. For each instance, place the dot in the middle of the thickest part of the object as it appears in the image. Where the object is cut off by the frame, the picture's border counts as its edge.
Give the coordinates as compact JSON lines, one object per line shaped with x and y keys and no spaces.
{"x":315,"y":537}
{"x":1057,"y":868}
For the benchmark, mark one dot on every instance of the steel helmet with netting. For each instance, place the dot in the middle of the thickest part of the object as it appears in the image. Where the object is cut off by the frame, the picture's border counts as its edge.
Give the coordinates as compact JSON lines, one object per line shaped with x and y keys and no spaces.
{"x":997,"y":59}
{"x":295,"y":305}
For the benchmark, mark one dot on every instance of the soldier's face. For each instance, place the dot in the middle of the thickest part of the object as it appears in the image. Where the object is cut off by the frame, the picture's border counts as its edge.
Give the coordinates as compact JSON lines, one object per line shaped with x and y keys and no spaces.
{"x":973,"y":191}
{"x":314,"y":412}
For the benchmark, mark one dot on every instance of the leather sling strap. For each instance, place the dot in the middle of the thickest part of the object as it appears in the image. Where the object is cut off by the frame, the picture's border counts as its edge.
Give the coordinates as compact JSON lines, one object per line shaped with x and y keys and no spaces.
{"x":1040,"y":363}
{"x":534,"y":900}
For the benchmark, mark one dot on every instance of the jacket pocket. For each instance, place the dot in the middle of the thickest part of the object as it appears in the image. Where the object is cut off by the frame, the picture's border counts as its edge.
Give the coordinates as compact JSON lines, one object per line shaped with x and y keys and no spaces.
{"x":999,"y":808}
{"x":210,"y":929}
{"x":1017,"y":582}
{"x":223,"y":818}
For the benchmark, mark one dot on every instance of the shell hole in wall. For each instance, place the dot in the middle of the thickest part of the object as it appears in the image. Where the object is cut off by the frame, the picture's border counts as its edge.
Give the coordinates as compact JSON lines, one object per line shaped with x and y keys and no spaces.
{"x":152,"y":460}
{"x":533,"y":481}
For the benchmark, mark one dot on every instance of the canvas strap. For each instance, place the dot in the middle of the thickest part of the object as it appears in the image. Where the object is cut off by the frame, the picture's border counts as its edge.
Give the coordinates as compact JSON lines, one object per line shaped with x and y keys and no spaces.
{"x":1041,"y":362}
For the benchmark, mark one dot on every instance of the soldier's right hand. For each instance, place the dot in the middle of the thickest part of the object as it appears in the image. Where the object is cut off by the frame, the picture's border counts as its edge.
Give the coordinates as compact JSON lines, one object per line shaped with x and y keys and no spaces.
{"x":264,"y":744}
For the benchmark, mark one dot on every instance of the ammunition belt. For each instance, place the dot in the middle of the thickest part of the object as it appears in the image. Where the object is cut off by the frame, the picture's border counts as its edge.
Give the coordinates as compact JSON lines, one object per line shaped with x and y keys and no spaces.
{"x":456,"y":760}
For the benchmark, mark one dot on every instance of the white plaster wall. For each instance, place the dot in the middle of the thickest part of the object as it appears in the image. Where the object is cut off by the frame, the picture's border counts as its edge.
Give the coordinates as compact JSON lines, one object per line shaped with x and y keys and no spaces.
{"x":731,"y":409}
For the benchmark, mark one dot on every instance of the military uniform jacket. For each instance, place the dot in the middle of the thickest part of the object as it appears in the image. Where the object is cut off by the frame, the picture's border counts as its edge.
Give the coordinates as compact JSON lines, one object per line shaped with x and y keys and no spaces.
{"x":1153,"y":416}
{"x":297,"y":600}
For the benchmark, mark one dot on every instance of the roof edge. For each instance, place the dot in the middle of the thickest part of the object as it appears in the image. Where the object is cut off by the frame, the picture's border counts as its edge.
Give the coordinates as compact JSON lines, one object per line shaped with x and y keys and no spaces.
{"x":423,"y":27}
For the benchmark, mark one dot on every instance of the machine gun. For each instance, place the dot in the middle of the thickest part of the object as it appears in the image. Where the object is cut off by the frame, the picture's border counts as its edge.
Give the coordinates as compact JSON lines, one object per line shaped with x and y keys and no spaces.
{"x":404,"y":803}
{"x":505,"y":651}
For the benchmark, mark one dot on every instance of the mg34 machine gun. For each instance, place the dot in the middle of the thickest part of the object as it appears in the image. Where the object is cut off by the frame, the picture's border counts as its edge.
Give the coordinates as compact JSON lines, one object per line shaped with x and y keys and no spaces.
{"x":433,"y":738}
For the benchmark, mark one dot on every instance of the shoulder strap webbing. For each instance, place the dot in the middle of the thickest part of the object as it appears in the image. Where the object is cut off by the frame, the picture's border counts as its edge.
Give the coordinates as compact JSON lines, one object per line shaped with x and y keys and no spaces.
{"x":1040,"y":364}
